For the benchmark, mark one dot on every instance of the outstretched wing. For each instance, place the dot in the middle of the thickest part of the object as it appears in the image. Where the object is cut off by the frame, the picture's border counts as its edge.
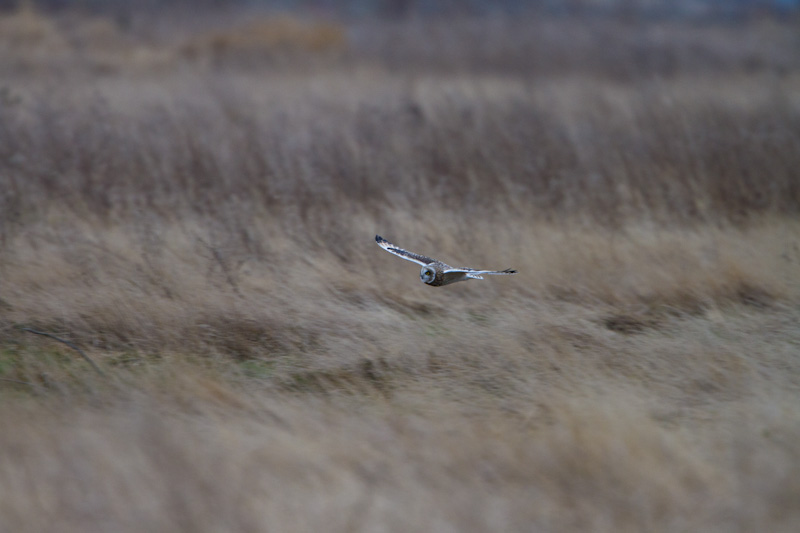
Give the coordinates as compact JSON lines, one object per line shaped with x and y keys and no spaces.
{"x":471,"y":272}
{"x":405,"y":254}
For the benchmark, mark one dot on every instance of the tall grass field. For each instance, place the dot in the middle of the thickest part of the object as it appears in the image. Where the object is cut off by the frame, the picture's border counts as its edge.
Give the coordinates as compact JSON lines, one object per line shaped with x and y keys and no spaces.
{"x":188,"y":211}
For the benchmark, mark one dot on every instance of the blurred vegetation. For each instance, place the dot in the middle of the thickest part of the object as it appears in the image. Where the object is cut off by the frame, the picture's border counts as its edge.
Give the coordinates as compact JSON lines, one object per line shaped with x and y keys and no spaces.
{"x":191,"y":200}
{"x":730,"y":9}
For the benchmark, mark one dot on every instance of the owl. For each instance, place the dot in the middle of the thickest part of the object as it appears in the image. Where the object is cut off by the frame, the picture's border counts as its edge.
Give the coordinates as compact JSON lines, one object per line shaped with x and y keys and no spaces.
{"x":435,"y":272}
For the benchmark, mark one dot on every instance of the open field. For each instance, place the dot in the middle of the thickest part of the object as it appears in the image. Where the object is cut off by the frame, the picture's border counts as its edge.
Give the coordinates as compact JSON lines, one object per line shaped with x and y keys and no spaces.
{"x":196,"y":210}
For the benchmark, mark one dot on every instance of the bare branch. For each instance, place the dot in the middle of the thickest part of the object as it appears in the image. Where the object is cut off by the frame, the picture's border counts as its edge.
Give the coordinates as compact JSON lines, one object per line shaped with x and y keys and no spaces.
{"x":18,"y":382}
{"x":71,"y":345}
{"x":222,"y":264}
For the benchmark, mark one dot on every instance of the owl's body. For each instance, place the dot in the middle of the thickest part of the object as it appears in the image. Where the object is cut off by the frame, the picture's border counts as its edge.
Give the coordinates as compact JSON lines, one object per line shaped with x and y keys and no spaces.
{"x":436,"y":273}
{"x":439,"y":277}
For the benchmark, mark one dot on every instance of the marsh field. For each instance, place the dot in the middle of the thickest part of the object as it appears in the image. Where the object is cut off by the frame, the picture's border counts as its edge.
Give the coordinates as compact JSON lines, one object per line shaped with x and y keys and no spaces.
{"x":191,"y":202}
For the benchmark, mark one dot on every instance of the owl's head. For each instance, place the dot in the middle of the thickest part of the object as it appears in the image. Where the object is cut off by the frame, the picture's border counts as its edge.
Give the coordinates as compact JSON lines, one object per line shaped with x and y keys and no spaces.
{"x":427,"y":274}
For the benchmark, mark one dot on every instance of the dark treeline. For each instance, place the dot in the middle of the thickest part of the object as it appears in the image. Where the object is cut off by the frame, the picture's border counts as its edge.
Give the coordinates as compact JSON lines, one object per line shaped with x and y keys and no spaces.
{"x":649,"y":9}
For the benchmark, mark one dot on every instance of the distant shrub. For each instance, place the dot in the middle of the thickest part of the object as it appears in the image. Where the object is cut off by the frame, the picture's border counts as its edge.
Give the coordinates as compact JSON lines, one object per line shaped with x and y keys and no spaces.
{"x":267,"y":38}
{"x":26,"y":29}
{"x":33,"y":40}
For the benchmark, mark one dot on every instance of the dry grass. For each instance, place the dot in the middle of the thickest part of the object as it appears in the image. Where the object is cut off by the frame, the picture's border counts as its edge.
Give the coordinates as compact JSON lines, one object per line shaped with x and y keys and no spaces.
{"x":266,"y":39}
{"x":35,"y":43}
{"x":206,"y":235}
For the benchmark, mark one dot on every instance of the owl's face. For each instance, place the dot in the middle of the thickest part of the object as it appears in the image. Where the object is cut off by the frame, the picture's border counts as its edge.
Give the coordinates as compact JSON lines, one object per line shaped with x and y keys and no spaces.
{"x":427,"y":274}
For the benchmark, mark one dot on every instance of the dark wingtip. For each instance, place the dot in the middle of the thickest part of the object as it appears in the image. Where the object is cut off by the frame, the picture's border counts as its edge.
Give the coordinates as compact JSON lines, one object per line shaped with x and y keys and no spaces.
{"x":510,"y":271}
{"x":379,"y":239}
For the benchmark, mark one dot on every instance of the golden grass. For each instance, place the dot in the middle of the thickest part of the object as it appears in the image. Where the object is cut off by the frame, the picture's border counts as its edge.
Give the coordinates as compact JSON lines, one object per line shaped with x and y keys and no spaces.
{"x":34,"y":42}
{"x":207,"y":237}
{"x":266,"y":39}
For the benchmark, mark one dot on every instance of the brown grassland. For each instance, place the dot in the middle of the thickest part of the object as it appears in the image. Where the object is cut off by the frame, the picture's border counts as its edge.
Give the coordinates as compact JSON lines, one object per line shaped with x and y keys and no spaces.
{"x":194,"y":207}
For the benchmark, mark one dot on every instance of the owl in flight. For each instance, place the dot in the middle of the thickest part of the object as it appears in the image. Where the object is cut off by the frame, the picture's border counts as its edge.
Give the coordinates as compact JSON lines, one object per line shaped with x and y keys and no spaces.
{"x":435,"y":272}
